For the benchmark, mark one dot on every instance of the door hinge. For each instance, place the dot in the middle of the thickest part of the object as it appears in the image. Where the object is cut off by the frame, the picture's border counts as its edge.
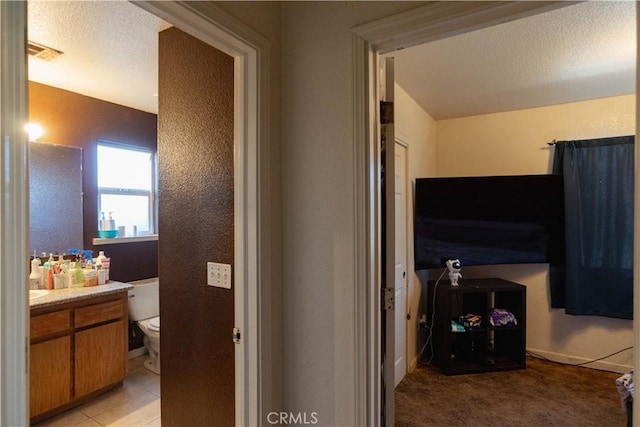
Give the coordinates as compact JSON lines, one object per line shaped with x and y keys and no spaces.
{"x":386,"y":112}
{"x":389,"y":299}
{"x":237,"y":336}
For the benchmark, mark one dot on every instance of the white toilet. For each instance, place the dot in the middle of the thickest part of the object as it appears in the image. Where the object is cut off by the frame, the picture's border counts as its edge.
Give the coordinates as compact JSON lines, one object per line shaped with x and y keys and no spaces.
{"x":144,"y":309}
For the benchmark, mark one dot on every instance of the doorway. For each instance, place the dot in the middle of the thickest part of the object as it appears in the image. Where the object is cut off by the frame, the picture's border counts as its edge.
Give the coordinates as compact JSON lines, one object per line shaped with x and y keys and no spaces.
{"x":442,"y":20}
{"x":251,"y":177}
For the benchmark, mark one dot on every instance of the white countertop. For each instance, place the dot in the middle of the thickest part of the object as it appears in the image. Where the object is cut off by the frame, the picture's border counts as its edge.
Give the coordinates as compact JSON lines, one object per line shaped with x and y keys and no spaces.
{"x":60,"y":296}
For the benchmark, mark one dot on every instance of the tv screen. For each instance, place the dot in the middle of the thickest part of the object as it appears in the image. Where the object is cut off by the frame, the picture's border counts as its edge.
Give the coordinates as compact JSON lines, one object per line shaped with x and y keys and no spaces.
{"x":489,"y":220}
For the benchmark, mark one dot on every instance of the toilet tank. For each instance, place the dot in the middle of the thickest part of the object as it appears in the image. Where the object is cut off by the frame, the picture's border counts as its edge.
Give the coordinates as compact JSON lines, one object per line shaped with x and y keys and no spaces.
{"x":144,"y":300}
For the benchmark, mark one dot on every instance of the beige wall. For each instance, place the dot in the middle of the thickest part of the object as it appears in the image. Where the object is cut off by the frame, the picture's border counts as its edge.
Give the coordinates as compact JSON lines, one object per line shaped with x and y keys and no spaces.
{"x":318,"y":211}
{"x":516,"y":143}
{"x":416,"y":129}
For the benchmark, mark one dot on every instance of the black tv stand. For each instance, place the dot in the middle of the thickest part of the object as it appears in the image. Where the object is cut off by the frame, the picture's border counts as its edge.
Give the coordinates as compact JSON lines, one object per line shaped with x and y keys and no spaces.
{"x":483,"y":349}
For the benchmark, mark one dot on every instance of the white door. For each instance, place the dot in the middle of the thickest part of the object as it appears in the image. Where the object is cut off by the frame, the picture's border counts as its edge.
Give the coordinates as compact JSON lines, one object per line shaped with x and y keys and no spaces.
{"x":389,"y":250}
{"x":401,"y":262}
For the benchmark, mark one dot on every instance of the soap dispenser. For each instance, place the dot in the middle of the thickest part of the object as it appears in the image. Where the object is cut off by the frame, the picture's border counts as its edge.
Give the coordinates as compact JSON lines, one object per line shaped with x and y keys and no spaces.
{"x":34,"y":277}
{"x":104,"y":225}
{"x":111,"y":222}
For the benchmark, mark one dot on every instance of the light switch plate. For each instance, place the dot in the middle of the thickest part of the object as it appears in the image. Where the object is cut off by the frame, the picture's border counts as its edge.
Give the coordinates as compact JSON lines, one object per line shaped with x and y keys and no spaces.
{"x":219,"y":275}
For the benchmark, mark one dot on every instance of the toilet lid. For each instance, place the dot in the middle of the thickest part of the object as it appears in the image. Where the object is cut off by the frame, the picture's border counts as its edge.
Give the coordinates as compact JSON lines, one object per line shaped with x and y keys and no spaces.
{"x":154,"y":324}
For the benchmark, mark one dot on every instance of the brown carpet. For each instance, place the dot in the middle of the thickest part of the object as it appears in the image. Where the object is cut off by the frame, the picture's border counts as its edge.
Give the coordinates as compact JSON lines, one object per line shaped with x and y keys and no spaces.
{"x":544,"y":394}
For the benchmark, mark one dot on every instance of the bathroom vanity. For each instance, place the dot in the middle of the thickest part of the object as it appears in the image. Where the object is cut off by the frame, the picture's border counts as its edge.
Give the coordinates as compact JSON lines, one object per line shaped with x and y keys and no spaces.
{"x":78,"y":346}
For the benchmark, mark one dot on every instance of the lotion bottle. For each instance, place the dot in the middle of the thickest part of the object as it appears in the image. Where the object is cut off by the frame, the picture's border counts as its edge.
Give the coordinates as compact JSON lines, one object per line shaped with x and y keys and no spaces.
{"x":111,"y":222}
{"x":103,"y":262}
{"x":34,"y":277}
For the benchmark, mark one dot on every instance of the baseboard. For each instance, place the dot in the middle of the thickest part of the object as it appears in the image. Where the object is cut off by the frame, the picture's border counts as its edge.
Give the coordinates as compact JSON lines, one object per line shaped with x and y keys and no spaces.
{"x":413,"y":364}
{"x":137,"y":352}
{"x":600,"y":365}
{"x":573,"y":360}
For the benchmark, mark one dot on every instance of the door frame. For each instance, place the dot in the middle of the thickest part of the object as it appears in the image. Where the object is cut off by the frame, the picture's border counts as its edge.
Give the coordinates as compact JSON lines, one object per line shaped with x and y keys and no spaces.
{"x":434,"y":21}
{"x":222,"y":31}
{"x":14,"y":214}
{"x":253,"y":361}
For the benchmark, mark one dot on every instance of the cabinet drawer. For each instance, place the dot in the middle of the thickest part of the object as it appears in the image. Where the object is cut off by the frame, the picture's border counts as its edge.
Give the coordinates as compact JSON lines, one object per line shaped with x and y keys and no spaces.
{"x":97,"y":313}
{"x":50,"y":324}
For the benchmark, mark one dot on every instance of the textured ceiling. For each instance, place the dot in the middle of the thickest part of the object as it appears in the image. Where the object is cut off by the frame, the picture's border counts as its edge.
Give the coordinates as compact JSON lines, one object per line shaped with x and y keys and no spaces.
{"x":578,"y":52}
{"x":110,"y":50}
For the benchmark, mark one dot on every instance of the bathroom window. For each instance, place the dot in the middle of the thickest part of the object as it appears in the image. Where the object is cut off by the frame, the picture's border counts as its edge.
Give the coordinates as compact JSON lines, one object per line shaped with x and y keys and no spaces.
{"x":127,"y":187}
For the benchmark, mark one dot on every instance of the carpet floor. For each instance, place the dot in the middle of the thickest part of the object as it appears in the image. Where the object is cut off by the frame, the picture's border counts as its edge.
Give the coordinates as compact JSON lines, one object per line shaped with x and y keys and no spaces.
{"x":543,"y":394}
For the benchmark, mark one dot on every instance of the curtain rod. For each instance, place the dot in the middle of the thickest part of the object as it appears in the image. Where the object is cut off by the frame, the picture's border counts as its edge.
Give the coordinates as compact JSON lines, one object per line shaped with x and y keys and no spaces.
{"x":555,"y":141}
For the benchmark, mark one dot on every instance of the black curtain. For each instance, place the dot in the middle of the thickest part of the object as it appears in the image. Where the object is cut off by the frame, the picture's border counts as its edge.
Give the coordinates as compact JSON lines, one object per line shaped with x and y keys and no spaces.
{"x":597,"y":277}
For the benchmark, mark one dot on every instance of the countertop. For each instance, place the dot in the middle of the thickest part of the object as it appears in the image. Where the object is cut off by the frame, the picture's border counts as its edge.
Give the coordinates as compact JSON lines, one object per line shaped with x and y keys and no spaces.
{"x":61,"y":296}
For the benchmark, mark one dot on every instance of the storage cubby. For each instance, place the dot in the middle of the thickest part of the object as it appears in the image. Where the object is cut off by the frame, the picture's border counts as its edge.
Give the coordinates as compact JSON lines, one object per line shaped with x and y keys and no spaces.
{"x":483,"y":349}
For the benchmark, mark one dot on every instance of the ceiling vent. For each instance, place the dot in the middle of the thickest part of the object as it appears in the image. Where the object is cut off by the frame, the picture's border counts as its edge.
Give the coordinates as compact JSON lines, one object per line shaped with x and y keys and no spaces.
{"x":42,"y":52}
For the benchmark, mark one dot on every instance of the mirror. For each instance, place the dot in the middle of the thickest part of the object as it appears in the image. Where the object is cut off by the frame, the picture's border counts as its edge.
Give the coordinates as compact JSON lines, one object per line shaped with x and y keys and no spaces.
{"x":55,"y":198}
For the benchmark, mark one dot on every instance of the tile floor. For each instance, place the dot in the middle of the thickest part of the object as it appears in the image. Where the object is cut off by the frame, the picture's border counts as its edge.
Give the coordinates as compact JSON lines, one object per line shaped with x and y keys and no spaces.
{"x":135,"y":404}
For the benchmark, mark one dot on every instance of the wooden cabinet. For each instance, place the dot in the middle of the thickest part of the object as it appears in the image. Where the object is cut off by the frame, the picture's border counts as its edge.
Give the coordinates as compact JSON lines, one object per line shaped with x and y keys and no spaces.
{"x":486,"y":347}
{"x":100,"y":357}
{"x":78,"y":350}
{"x":50,"y":375}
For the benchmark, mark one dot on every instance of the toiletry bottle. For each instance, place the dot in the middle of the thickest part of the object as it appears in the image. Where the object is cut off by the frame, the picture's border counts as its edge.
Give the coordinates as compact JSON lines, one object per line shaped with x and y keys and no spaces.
{"x":111,"y":221}
{"x":79,"y":276}
{"x":102,"y":275}
{"x":87,"y":258}
{"x":100,"y":258}
{"x":34,"y":277}
{"x":103,"y":223}
{"x":60,"y":269}
{"x":106,"y":263}
{"x":42,"y":284}
{"x":48,"y":273}
{"x":71,"y":273}
{"x":90,"y":275}
{"x":99,"y":269}
{"x":50,"y":278}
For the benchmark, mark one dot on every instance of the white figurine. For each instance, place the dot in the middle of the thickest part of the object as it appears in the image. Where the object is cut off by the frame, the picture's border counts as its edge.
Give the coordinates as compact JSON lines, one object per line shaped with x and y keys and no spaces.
{"x":454,"y":271}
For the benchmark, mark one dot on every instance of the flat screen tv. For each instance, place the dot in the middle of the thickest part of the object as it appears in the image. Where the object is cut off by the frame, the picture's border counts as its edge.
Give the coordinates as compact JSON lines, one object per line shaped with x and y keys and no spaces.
{"x":489,"y":220}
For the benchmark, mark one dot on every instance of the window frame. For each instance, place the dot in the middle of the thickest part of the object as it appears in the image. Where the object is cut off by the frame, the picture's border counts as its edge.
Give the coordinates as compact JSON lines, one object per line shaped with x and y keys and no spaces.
{"x":152,"y":193}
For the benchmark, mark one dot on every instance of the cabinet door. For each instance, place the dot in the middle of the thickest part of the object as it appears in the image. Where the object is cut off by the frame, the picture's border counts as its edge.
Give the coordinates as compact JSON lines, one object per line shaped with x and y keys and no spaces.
{"x":49,"y":375}
{"x":100,"y":357}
